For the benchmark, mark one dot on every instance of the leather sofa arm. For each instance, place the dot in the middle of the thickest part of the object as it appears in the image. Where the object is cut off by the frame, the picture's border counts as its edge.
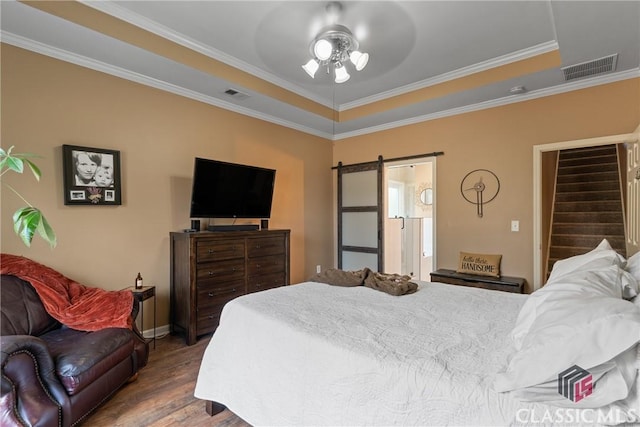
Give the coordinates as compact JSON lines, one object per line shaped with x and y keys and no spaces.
{"x":30,"y":391}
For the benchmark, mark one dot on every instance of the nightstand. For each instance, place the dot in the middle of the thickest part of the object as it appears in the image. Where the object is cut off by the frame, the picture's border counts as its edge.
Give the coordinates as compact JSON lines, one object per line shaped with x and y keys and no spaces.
{"x":142,"y":294}
{"x":502,"y":283}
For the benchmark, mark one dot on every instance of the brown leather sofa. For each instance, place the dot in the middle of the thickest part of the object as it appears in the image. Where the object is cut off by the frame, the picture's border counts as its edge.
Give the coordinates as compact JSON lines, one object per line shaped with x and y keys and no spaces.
{"x":53,"y":375}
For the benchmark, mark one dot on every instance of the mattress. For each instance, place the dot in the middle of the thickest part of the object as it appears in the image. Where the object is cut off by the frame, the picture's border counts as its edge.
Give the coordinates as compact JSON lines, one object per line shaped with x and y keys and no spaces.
{"x":315,"y":354}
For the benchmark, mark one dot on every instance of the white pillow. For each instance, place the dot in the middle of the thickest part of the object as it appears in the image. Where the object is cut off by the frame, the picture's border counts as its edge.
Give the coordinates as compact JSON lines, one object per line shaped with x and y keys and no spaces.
{"x":602,"y":256}
{"x":612,"y":381}
{"x":611,"y":281}
{"x":584,"y":330}
{"x":633,"y":266}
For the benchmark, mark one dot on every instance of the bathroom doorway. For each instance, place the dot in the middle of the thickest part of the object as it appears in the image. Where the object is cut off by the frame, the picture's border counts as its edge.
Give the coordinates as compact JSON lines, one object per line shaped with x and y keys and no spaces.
{"x":409,"y":231}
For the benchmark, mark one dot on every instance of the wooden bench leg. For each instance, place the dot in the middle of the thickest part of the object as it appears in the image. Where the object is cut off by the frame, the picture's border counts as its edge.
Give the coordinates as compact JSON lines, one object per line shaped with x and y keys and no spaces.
{"x":214,"y":408}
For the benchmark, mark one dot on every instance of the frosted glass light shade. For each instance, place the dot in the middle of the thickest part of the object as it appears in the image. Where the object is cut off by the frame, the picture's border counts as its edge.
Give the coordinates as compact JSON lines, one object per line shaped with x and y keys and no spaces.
{"x":311,"y":67}
{"x":359,"y":59}
{"x":341,"y":74}
{"x":322,"y":49}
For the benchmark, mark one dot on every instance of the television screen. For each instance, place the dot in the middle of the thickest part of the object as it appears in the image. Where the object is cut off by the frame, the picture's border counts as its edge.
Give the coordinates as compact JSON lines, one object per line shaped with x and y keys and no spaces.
{"x":229,"y":190}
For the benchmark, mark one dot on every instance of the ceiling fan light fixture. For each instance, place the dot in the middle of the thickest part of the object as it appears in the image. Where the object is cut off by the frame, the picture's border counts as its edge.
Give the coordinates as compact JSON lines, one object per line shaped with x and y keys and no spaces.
{"x":333,"y":47}
{"x":359,"y":59}
{"x":341,"y":73}
{"x":311,"y":67}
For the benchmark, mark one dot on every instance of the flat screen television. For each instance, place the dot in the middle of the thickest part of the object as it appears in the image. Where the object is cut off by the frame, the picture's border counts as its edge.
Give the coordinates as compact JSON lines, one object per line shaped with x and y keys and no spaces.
{"x":229,"y":190}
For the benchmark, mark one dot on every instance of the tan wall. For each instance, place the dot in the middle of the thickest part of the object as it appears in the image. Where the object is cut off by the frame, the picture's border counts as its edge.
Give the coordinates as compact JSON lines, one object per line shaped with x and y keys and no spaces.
{"x":47,"y":103}
{"x":499,"y":139}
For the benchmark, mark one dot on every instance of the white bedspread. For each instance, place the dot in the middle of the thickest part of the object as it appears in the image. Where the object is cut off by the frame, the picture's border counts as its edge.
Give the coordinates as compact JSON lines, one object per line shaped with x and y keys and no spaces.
{"x":314,"y":354}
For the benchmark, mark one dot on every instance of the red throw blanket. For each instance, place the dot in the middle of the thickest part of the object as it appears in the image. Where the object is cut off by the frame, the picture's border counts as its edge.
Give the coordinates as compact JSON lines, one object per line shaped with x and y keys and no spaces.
{"x":72,"y":304}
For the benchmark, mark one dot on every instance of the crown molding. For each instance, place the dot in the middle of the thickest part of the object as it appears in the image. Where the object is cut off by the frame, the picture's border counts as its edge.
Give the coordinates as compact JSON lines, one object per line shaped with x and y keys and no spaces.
{"x":63,"y":55}
{"x":160,"y":30}
{"x":66,"y":56}
{"x":126,"y":15}
{"x":511,"y":99}
{"x":456,"y":74}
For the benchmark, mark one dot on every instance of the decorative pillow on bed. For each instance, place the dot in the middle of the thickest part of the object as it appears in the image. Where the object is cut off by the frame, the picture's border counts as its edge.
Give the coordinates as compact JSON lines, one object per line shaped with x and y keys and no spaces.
{"x":602,"y":256}
{"x":480,"y":264}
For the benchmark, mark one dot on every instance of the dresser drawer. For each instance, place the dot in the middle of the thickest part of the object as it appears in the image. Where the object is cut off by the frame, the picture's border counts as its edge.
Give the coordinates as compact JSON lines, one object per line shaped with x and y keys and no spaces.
{"x":265,"y":282}
{"x":213,"y":293}
{"x":212,"y":250}
{"x":221,"y":270}
{"x":265,"y":246}
{"x":208,"y":320}
{"x":265,"y":265}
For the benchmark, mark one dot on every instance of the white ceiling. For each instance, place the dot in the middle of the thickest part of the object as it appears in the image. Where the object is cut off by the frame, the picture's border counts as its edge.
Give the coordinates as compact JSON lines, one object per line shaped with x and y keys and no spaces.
{"x":412,"y":45}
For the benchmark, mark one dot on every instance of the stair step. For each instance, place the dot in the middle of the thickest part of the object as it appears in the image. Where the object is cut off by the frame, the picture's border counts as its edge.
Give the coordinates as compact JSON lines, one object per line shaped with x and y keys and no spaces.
{"x":593,"y":177}
{"x":588,"y":196}
{"x":583,"y":152}
{"x":564,"y":252}
{"x":589,"y":229}
{"x":587,"y":169}
{"x":588,"y":217}
{"x":587,"y":241}
{"x":589,"y":206}
{"x":595,"y":160}
{"x":611,"y":185}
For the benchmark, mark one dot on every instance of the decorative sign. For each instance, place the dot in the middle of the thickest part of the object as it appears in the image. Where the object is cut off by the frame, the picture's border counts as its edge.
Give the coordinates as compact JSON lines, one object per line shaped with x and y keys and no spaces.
{"x":480,"y":264}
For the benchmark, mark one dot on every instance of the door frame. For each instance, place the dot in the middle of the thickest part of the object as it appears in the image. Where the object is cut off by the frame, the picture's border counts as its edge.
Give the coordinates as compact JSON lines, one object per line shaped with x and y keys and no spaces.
{"x":537,"y":189}
{"x":412,"y":161}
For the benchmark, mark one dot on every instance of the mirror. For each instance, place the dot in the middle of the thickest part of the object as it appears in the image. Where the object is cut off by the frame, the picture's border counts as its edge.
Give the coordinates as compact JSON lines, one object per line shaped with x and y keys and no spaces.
{"x":426,"y":196}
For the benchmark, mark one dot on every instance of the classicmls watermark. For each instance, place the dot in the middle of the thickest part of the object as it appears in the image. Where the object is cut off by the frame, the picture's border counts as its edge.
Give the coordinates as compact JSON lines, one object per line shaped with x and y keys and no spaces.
{"x":575,"y":383}
{"x":580,"y":416}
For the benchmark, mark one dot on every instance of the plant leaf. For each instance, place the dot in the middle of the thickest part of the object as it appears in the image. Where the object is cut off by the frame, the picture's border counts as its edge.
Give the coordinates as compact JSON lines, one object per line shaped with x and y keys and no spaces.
{"x":25,"y":222}
{"x":29,"y":219}
{"x":15,"y":164}
{"x":46,"y":232}
{"x":34,"y":169}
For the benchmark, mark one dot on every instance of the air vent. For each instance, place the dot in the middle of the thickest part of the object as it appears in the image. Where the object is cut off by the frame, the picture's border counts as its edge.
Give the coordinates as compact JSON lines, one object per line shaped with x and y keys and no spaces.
{"x":236,"y":94}
{"x":590,"y":68}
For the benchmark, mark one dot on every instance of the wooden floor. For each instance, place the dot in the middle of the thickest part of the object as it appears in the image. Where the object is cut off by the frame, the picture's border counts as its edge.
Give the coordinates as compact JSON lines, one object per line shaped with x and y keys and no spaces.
{"x":163,"y":393}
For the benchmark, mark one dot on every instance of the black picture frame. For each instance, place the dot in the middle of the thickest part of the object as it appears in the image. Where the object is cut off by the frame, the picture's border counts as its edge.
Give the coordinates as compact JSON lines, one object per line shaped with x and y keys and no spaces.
{"x":91,"y":176}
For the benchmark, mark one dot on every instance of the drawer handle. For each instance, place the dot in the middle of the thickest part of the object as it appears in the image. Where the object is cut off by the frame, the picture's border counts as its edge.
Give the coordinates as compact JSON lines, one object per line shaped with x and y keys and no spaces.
{"x":257,"y":265}
{"x":210,"y":316}
{"x":211,"y":251}
{"x":210,"y":273}
{"x":258,"y":246}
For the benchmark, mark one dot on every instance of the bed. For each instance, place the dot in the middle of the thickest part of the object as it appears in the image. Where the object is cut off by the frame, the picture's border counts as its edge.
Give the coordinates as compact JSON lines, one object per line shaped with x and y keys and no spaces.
{"x":316,"y":354}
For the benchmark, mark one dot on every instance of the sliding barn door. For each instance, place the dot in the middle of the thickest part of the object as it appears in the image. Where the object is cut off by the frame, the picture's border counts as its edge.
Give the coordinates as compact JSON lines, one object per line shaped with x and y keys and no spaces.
{"x":360,"y":216}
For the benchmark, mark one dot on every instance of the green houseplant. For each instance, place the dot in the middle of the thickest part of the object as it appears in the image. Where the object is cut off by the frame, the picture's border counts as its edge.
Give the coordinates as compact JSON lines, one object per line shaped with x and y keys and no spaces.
{"x":29,"y":219}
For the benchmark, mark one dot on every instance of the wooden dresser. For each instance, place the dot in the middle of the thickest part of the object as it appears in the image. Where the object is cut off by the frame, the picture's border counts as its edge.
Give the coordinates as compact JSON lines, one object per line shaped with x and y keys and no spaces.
{"x":208,"y":269}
